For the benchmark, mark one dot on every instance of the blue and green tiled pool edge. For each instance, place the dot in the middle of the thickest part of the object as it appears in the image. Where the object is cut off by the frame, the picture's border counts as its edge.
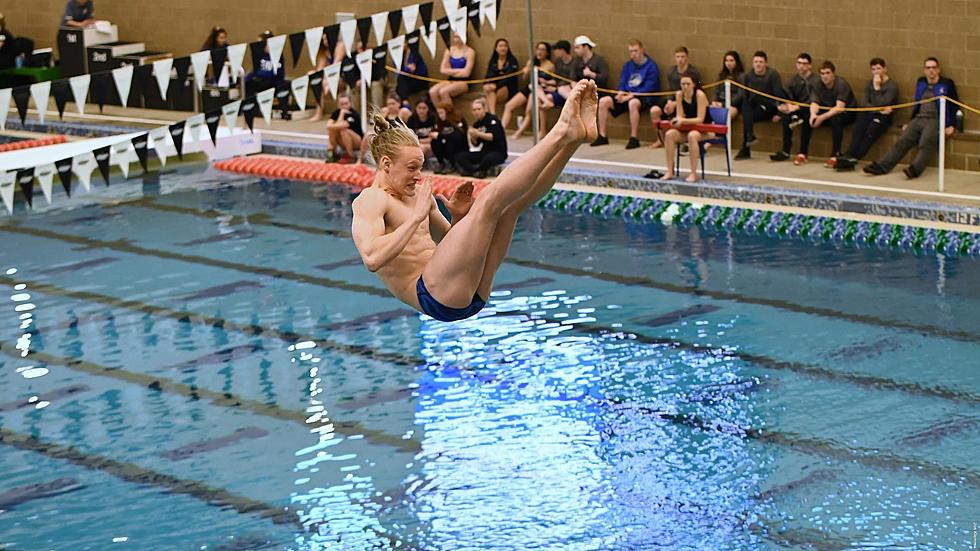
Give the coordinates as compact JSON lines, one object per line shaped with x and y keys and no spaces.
{"x":761,"y":221}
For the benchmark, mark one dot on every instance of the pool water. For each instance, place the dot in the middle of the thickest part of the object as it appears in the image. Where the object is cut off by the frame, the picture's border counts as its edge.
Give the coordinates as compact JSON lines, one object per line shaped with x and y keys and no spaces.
{"x":209,"y":366}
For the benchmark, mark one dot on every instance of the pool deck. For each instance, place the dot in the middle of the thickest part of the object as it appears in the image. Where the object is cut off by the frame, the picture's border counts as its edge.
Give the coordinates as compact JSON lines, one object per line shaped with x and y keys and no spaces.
{"x":757,"y":181}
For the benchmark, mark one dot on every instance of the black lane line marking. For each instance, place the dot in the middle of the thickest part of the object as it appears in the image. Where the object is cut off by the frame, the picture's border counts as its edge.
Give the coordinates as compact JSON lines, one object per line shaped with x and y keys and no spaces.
{"x":54,"y":395}
{"x":76,"y":266}
{"x":219,"y":237}
{"x":23,"y":494}
{"x":671,"y":318}
{"x":640,"y":281}
{"x":222,"y":399}
{"x":935,"y":433}
{"x":211,"y":444}
{"x":225,"y":355}
{"x":339,"y":264}
{"x":222,"y":290}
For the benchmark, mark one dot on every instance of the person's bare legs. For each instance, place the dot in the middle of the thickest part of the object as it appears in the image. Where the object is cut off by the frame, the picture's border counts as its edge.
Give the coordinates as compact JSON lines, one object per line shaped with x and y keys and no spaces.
{"x":456,"y":269}
{"x":671,"y":139}
{"x":655,"y":114}
{"x":605,"y":108}
{"x":509,"y":107}
{"x":694,"y":153}
{"x":635,"y":104}
{"x":490,"y":91}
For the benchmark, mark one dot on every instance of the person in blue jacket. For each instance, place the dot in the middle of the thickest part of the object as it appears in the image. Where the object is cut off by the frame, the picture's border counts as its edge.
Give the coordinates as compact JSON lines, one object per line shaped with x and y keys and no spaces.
{"x":640,"y":74}
{"x":923,"y":130}
{"x":266,"y":75}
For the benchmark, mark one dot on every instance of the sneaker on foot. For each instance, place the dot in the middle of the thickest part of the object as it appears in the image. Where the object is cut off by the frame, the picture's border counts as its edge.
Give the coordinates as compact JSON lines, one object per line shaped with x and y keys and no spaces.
{"x":795,"y":120}
{"x":779,"y":156}
{"x":910,"y":172}
{"x":744,"y":153}
{"x":874,"y":169}
{"x":633,"y":143}
{"x":845,"y":164}
{"x":345,"y":159}
{"x":600,"y":140}
{"x":800,"y":159}
{"x":751,"y":140}
{"x":831,"y":162}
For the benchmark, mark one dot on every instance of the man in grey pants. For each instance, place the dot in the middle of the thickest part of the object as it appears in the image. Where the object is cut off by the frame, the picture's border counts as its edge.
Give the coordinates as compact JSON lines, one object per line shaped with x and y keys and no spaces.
{"x":923,"y":129}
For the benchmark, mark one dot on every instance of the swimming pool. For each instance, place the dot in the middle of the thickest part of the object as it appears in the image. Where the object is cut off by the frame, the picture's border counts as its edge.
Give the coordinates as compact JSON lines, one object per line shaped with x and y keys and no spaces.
{"x":210,"y":367}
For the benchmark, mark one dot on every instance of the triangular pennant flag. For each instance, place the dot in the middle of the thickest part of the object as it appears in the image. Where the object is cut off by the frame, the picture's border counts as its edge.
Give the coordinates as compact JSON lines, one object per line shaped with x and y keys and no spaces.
{"x":378,"y":64}
{"x":264,"y":99}
{"x":332,"y":74}
{"x":425,"y":10}
{"x":316,"y":85}
{"x":444,"y":30}
{"x":79,"y":91}
{"x":248,"y":112}
{"x":161,"y":70}
{"x":212,"y":119}
{"x":300,"y":85}
{"x":183,"y":67}
{"x":258,"y":53}
{"x":394,"y":21}
{"x":218,"y":58}
{"x":7,"y":190}
{"x":60,"y":91}
{"x":123,"y":78}
{"x":45,"y":176}
{"x":349,"y":71}
{"x":199,"y":60}
{"x":4,"y":107}
{"x":347,"y":30}
{"x":40,"y":92}
{"x":410,"y":14}
{"x":429,"y":37}
{"x":141,"y":144}
{"x":63,"y":167}
{"x":489,"y":10}
{"x":296,"y":46}
{"x":497,"y":11}
{"x":25,"y":178}
{"x":142,"y":80}
{"x":194,"y":126}
{"x":412,"y":40}
{"x":364,"y":30}
{"x":102,"y":160}
{"x":396,"y":48}
{"x":378,"y":22}
{"x":333,"y":34}
{"x":99,"y":88}
{"x":458,"y":24}
{"x":450,"y":7}
{"x":473,"y":14}
{"x":177,"y":135}
{"x":158,"y":136}
{"x":230,"y":113}
{"x":22,"y":95}
{"x":276,"y":44}
{"x":120,"y":156}
{"x":82,"y":165}
{"x":236,"y":56}
{"x":314,"y":37}
{"x":282,"y":95}
{"x":364,"y":64}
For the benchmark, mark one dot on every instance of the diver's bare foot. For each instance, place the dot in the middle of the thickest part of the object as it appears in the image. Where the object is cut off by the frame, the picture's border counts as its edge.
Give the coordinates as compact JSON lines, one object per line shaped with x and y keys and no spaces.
{"x":570,"y":126}
{"x":589,"y":111}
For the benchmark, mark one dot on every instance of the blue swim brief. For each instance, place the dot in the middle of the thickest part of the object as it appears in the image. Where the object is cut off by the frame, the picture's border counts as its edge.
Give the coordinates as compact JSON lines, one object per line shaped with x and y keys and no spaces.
{"x":432,"y":307}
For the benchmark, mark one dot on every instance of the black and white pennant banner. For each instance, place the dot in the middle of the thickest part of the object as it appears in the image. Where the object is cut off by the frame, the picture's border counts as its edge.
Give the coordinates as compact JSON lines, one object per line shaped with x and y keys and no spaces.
{"x":45,"y":177}
{"x":264,"y":99}
{"x":410,"y":16}
{"x":379,"y":21}
{"x":79,"y":91}
{"x":314,"y":37}
{"x":123,"y":77}
{"x":7,"y":189}
{"x":429,"y":36}
{"x":230,"y":112}
{"x":40,"y":93}
{"x":159,"y":138}
{"x":4,"y":107}
{"x":332,"y":74}
{"x":161,"y":70}
{"x":396,"y":49}
{"x":236,"y":56}
{"x":199,"y":63}
{"x":364,"y":64}
{"x":488,"y":9}
{"x":276,"y":44}
{"x":299,"y":86}
{"x":120,"y":156}
{"x":82,"y":166}
{"x":347,"y":30}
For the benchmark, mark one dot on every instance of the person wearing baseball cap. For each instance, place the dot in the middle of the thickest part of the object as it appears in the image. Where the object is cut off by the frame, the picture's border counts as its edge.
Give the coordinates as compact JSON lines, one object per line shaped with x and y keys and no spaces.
{"x":587,"y":64}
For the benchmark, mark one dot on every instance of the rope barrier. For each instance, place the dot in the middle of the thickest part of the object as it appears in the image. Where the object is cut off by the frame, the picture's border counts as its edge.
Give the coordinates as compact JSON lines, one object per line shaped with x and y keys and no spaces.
{"x":822,"y":107}
{"x":436,"y":80}
{"x":964,"y":106}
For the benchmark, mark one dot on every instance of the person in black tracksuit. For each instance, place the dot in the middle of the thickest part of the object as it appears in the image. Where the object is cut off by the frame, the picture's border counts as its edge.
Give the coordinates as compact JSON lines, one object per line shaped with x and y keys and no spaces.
{"x":799,"y":89}
{"x":756,"y":107}
{"x":450,"y":138}
{"x":486,"y":143}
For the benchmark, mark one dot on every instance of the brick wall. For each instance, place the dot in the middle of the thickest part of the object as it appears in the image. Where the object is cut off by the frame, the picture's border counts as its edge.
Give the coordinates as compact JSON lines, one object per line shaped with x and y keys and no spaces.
{"x":904,"y":32}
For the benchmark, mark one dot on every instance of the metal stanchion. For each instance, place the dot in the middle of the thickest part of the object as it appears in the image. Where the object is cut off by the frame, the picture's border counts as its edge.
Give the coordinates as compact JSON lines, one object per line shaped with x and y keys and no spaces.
{"x":364,"y":108}
{"x":534,"y":79}
{"x":728,"y":120}
{"x":942,"y":143}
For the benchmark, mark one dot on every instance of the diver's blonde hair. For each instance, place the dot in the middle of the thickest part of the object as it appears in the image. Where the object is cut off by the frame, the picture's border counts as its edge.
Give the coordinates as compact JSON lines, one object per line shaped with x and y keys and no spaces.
{"x":389,"y":136}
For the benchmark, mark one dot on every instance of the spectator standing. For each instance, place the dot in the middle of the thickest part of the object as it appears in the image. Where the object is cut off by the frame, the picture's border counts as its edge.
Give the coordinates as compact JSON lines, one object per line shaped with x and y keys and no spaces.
{"x":450,"y":138}
{"x":756,"y":107}
{"x":923,"y":130}
{"x":881,"y":91}
{"x":799,"y":89}
{"x":457,"y":65}
{"x":731,"y":69}
{"x":666,"y":105}
{"x":78,"y":13}
{"x":640,"y":75}
{"x":693,"y":104}
{"x":502,"y":62}
{"x":834,"y":94}
{"x":486,"y":143}
{"x":344,"y":130}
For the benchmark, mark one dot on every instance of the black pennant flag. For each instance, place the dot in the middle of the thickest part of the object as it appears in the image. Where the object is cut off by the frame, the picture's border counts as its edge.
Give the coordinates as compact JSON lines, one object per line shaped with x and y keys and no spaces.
{"x":296,"y":41}
{"x":142,"y":81}
{"x":218,"y":58}
{"x":177,"y":134}
{"x":21,"y":96}
{"x":64,"y":172}
{"x":282,"y":95}
{"x":183,"y":67}
{"x":140,"y":144}
{"x":25,"y":178}
{"x":249,"y":105}
{"x":61,"y":91}
{"x":364,"y":30}
{"x":378,"y":70}
{"x":213,"y":119}
{"x":316,"y":85}
{"x":412,"y":39}
{"x":445,"y":31}
{"x":349,"y":71}
{"x":102,"y":159}
{"x":498,"y":9}
{"x":99,"y":88}
{"x":473,"y":13}
{"x":394,"y":21}
{"x":333,"y":34}
{"x":258,"y":52}
{"x":425,"y":11}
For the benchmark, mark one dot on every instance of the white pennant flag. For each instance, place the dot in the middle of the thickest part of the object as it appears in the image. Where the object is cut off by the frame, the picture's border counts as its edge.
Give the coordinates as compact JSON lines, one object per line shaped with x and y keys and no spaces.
{"x":123,"y":78}
{"x":364,"y":60}
{"x":83,"y":165}
{"x":161,"y":70}
{"x":194,"y":125}
{"x":429,"y":38}
{"x":236,"y":55}
{"x":276,"y":44}
{"x":299,"y":86}
{"x":264,"y":99}
{"x":159,"y":138}
{"x":451,"y":7}
{"x":410,"y":16}
{"x":458,"y":24}
{"x":4,"y":107}
{"x":230,"y":112}
{"x":488,"y":12}
{"x":332,"y":75}
{"x":7,"y":190}
{"x":379,"y":21}
{"x":396,"y":49}
{"x":314,"y":37}
{"x":199,"y":61}
{"x":120,"y":156}
{"x":347,"y":29}
{"x":44,"y":175}
{"x":79,"y":91}
{"x":40,"y":92}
